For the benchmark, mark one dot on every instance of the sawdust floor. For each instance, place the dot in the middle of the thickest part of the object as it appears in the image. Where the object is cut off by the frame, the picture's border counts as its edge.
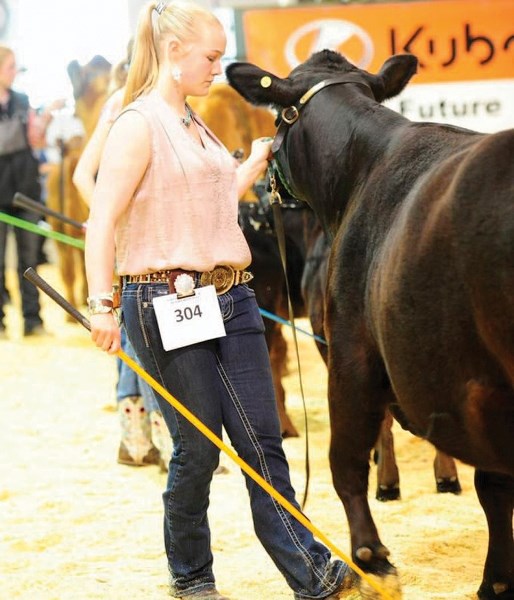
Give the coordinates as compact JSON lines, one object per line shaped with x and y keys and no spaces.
{"x":76,"y":525}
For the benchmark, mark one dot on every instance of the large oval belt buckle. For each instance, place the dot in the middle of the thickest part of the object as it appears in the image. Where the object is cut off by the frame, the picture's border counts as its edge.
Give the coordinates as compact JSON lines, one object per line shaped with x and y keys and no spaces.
{"x":222,"y":278}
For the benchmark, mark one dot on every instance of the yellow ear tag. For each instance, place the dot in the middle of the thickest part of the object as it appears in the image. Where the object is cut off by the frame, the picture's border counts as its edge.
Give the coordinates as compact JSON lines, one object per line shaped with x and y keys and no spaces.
{"x":266,"y":81}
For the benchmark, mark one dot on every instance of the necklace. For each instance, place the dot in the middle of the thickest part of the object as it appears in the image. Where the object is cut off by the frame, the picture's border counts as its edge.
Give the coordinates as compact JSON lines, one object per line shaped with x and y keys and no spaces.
{"x":186,"y":121}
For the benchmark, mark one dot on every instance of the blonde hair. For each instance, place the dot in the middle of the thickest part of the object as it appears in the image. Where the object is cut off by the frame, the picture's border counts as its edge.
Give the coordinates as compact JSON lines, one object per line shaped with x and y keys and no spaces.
{"x":179,"y":19}
{"x":5,"y":51}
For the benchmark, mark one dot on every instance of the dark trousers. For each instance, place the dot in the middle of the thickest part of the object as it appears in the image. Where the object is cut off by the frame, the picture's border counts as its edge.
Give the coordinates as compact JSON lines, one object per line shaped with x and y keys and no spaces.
{"x":227,"y":384}
{"x":27,"y":248}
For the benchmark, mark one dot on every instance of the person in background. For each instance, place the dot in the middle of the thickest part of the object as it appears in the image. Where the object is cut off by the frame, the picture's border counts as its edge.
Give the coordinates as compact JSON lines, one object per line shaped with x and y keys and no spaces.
{"x":22,"y":132}
{"x":165,"y":211}
{"x":145,"y":439}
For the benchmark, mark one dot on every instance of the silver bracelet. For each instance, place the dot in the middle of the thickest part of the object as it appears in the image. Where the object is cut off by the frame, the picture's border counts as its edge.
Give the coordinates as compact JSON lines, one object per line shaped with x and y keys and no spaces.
{"x":100,"y":304}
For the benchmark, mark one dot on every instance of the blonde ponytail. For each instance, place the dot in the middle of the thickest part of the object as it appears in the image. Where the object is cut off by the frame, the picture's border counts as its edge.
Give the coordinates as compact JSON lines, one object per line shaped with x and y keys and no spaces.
{"x":144,"y":67}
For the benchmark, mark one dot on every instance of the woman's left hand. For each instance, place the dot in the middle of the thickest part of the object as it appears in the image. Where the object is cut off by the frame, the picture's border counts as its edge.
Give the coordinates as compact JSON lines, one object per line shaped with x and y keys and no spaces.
{"x":255,"y":165}
{"x":261,"y":149}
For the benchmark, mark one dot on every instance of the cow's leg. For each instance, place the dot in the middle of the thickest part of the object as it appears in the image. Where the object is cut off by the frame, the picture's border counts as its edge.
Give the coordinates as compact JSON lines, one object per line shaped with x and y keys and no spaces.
{"x":496,"y":495}
{"x":277,"y":348}
{"x":278,"y":357}
{"x":445,"y":471}
{"x":358,"y":395}
{"x":388,"y":477}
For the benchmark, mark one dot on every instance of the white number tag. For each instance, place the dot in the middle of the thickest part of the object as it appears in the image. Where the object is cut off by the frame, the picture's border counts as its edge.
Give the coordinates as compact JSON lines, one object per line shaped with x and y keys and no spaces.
{"x":185,"y":321}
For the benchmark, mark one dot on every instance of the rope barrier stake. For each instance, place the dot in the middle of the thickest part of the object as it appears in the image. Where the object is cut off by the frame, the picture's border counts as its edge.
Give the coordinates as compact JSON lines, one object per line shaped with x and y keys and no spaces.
{"x":38,"y":281}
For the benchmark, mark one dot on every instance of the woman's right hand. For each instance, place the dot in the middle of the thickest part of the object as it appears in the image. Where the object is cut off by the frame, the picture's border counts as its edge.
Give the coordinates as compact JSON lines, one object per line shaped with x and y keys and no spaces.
{"x":105,"y":332}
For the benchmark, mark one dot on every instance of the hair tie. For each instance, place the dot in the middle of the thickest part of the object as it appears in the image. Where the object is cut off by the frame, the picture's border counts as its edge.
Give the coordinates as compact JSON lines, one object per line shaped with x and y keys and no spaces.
{"x":161,"y":7}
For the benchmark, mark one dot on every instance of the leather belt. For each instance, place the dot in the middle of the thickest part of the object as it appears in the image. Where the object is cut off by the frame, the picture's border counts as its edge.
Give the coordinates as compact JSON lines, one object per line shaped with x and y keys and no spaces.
{"x":222,"y":277}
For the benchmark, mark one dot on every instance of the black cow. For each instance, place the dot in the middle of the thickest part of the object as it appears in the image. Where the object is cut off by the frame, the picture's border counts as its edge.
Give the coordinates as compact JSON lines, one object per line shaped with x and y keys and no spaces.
{"x":307,"y":258}
{"x":420,"y":297}
{"x":314,"y":285}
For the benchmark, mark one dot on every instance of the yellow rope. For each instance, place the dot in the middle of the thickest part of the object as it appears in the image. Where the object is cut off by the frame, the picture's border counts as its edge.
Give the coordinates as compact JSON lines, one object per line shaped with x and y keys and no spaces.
{"x":248,"y":470}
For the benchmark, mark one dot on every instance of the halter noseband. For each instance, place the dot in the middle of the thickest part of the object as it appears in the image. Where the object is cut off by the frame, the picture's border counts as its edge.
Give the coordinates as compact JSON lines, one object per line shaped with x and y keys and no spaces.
{"x":290,"y":114}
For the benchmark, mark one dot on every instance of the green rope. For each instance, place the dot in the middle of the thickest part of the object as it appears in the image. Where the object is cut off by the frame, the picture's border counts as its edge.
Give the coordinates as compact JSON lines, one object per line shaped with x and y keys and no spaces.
{"x":32,"y":227}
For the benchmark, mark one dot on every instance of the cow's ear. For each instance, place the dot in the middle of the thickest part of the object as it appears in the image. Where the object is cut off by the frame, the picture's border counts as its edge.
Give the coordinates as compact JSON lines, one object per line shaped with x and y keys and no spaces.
{"x":258,"y":86}
{"x":99,"y":62}
{"x":394,"y":75}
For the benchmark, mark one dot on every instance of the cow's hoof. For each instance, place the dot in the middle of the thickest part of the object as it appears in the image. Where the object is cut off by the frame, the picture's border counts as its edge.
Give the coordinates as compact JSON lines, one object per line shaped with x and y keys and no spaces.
{"x":375,"y":558}
{"x":496,"y":591}
{"x":389,"y":583}
{"x":448,"y":485}
{"x":388,"y":493}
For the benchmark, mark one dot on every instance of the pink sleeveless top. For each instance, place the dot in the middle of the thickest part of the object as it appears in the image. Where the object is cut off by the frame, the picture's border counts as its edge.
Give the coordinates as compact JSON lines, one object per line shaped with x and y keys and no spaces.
{"x":184,"y":212}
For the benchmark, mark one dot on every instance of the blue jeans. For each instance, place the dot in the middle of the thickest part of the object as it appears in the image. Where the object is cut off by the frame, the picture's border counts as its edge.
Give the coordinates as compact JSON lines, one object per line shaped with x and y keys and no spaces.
{"x":226,"y":383}
{"x":129,"y":382}
{"x":27,"y":248}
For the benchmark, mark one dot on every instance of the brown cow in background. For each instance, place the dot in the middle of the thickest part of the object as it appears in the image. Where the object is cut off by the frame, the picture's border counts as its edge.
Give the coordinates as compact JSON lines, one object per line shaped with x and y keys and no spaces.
{"x":91,"y":86}
{"x":90,"y":89}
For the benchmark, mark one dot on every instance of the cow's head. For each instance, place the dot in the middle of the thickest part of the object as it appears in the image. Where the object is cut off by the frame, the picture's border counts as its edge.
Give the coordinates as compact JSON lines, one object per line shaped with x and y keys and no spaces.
{"x":90,"y":84}
{"x":94,"y":76}
{"x":263,"y":88}
{"x":321,"y":133}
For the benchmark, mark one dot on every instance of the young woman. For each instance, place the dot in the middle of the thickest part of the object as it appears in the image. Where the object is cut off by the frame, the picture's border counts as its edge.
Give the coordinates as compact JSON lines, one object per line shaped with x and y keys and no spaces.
{"x":165,"y":208}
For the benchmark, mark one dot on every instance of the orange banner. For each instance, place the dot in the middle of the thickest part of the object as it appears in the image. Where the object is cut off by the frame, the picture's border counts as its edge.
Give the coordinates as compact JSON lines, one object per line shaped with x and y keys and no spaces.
{"x":454,"y":40}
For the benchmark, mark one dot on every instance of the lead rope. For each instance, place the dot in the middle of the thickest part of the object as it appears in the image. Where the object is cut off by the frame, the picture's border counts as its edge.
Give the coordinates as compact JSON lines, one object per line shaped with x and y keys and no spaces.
{"x":276,"y":201}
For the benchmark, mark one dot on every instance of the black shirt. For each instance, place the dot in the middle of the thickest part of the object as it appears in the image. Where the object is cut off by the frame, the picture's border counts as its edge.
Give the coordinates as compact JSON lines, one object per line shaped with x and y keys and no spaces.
{"x":19,"y":170}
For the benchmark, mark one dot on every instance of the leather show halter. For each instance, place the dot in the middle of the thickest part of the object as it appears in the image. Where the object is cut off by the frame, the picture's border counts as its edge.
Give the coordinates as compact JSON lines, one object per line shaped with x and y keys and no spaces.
{"x":290,"y":114}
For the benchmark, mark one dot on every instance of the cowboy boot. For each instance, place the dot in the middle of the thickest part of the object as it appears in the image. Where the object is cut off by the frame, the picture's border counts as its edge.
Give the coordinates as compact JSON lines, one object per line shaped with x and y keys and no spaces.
{"x":161,"y":438}
{"x":136,"y":447}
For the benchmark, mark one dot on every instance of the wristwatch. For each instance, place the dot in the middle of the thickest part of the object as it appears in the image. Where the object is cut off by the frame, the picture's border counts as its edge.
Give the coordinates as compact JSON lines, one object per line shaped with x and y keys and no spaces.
{"x":99,"y":306}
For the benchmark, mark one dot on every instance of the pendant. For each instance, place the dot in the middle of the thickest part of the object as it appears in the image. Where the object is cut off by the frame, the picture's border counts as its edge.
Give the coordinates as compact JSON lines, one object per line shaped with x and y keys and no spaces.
{"x":186,"y":121}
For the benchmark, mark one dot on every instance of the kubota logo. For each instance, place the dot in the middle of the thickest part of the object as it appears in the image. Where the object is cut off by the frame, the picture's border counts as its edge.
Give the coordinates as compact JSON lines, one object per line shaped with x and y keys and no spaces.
{"x":332,"y":34}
